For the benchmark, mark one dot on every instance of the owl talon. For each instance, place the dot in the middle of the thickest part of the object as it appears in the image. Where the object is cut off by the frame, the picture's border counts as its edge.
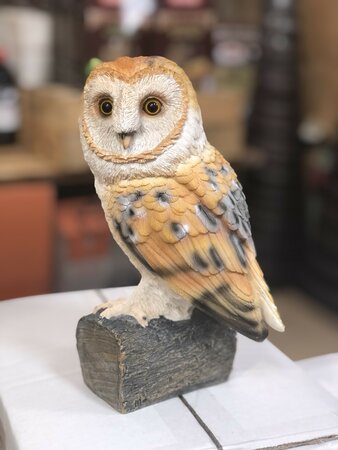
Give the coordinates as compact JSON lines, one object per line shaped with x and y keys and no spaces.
{"x":104,"y":305}
{"x":108,"y":313}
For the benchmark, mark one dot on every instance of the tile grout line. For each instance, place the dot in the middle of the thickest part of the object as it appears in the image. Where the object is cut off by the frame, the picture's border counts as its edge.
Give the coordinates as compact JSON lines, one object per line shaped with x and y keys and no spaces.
{"x":202,"y":424}
{"x":100,"y":294}
{"x":292,"y":445}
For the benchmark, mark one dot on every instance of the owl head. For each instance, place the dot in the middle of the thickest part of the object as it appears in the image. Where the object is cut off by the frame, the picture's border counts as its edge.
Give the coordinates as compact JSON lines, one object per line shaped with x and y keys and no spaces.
{"x":137,"y":111}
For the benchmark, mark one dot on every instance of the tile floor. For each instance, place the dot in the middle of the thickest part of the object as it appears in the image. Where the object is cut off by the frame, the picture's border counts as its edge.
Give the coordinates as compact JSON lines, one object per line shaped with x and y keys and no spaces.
{"x":311,"y":327}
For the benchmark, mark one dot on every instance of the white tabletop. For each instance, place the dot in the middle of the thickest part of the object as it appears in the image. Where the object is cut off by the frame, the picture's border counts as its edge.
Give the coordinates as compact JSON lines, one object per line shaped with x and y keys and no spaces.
{"x":268,"y":401}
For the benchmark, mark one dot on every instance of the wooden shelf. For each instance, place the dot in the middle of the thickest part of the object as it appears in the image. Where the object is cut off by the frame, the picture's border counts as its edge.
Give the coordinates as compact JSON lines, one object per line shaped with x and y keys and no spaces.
{"x":18,"y":164}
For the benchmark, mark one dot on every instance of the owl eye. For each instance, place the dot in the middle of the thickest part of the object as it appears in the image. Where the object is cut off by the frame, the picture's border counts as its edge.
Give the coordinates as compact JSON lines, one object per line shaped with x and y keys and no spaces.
{"x":152,"y":106}
{"x":106,"y":106}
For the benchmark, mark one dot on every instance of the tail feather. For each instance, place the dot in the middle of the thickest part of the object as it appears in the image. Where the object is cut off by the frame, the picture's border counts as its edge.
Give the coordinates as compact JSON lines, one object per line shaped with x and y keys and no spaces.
{"x":270,"y":312}
{"x":268,"y":307}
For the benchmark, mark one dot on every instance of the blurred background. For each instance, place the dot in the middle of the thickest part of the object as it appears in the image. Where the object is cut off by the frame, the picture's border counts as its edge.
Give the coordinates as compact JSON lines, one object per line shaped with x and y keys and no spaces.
{"x":266,"y":72}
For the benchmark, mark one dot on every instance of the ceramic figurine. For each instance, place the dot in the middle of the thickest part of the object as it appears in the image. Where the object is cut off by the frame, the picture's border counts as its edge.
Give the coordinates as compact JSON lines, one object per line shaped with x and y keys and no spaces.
{"x":172,"y":202}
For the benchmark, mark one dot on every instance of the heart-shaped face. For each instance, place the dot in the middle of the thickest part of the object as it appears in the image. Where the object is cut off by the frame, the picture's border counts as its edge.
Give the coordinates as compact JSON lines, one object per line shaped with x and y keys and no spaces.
{"x":134,"y":108}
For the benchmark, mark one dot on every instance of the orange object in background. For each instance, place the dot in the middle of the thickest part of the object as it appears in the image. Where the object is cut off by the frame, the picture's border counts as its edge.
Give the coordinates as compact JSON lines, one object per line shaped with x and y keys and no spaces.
{"x":86,"y":255}
{"x":27,"y":212}
{"x":82,"y":224}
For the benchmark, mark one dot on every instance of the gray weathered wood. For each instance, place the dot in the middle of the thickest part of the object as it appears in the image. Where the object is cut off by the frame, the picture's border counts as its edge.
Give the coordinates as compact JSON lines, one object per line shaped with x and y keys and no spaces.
{"x":130,"y":367}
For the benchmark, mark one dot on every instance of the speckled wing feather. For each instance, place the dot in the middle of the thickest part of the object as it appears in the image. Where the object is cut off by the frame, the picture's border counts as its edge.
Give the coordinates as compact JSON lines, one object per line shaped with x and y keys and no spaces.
{"x":193,"y":230}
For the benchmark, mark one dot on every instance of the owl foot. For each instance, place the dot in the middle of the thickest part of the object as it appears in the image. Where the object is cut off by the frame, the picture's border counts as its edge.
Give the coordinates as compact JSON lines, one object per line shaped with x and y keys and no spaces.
{"x":104,"y":305}
{"x":122,"y":306}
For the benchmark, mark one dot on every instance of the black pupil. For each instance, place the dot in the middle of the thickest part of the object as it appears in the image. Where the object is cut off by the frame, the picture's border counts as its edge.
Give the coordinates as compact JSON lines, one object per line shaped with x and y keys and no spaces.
{"x":106,"y":107}
{"x":152,"y":107}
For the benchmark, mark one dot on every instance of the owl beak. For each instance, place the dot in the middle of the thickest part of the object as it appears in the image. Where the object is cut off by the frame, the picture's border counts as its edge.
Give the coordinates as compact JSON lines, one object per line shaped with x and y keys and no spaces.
{"x":126,"y":139}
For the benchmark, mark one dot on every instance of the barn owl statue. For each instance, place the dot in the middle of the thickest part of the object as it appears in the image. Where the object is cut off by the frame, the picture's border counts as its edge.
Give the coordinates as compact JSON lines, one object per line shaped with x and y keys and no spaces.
{"x":172,"y":202}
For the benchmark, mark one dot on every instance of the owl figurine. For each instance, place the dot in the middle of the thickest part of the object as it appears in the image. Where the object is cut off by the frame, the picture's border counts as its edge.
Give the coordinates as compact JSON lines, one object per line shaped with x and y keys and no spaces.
{"x":172,"y":202}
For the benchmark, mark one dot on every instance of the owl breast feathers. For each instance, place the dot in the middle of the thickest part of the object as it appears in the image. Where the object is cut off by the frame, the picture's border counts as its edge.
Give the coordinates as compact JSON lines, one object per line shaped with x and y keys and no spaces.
{"x":172,"y":202}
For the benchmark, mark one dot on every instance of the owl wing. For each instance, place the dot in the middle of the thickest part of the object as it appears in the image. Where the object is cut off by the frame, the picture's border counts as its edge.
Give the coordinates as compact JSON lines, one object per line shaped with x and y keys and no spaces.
{"x":193,"y":231}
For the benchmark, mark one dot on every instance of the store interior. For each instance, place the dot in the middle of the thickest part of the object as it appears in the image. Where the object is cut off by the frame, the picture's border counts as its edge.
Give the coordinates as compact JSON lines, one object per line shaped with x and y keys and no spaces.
{"x":266,"y":76}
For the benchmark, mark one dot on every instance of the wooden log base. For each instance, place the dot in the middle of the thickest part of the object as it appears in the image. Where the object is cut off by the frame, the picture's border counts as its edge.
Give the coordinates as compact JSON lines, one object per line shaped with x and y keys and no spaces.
{"x":130,"y":367}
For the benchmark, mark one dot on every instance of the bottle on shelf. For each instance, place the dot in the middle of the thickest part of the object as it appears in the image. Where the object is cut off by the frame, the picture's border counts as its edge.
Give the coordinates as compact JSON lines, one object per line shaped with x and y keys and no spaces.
{"x":9,"y":104}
